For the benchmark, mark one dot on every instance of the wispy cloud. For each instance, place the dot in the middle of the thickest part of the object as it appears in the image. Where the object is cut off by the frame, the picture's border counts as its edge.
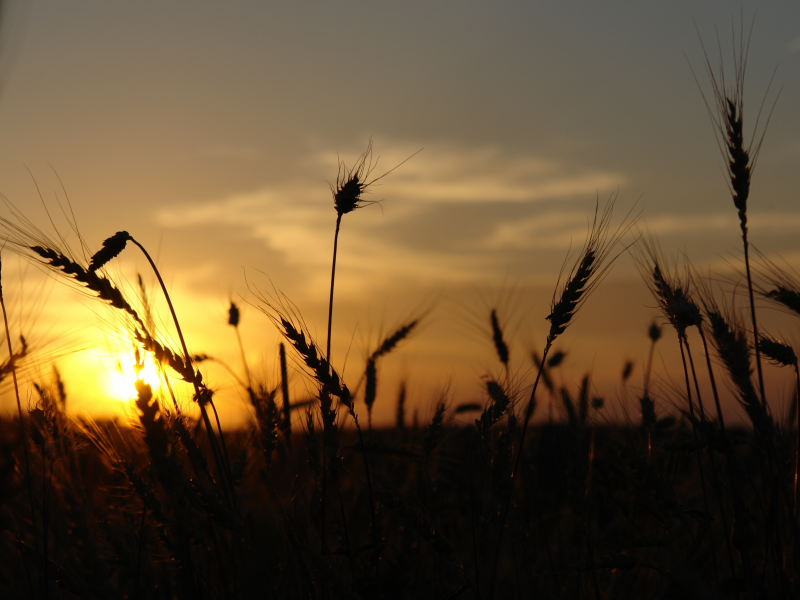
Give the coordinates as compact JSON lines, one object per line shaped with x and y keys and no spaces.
{"x":555,"y":230}
{"x":760,"y":223}
{"x":295,"y":217}
{"x":449,"y":173}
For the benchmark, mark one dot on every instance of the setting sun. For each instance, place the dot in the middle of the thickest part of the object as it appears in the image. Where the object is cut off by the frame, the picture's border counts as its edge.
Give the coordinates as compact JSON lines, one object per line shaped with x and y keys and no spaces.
{"x":121,"y":382}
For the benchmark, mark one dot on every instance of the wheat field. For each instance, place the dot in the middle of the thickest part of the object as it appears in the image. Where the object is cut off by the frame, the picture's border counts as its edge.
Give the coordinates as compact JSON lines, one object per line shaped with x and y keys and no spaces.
{"x":531,"y":490}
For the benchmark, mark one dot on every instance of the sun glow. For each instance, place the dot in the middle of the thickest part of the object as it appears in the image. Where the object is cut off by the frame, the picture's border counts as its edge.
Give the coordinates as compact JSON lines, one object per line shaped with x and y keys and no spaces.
{"x":122,"y":382}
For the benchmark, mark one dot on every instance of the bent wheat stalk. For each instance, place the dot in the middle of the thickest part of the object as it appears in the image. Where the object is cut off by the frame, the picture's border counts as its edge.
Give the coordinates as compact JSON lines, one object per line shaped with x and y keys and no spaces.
{"x":590,"y":268}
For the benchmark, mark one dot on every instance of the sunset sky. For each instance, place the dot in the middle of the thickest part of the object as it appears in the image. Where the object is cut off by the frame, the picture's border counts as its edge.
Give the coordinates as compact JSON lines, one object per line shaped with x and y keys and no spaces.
{"x":211,"y":132}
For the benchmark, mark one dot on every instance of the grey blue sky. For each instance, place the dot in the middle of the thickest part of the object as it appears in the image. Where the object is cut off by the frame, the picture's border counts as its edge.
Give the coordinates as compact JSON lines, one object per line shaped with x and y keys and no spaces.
{"x":211,"y":130}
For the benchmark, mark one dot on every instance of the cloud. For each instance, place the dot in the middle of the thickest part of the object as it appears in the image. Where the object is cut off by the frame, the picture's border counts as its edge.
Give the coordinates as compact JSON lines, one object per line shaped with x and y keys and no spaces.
{"x":793,"y":46}
{"x":760,"y":223}
{"x":555,"y":230}
{"x":447,"y":173}
{"x":444,"y":183}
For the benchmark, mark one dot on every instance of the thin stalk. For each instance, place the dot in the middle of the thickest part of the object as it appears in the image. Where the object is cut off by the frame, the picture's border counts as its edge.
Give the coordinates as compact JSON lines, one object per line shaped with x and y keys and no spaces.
{"x":286,"y":426}
{"x":333,"y":279}
{"x":649,"y":367}
{"x":244,"y":360}
{"x":507,"y":507}
{"x":369,"y":491}
{"x":753,"y":315}
{"x":169,"y":388}
{"x":681,"y":341}
{"x":23,"y":430}
{"x":713,"y":383}
{"x":727,"y":453}
{"x":696,"y":384}
{"x":328,"y":357}
{"x":713,"y":465}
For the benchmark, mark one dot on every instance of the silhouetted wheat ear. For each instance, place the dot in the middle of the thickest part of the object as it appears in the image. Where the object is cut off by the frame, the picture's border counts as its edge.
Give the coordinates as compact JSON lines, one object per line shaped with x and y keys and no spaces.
{"x":787,"y":297}
{"x":167,"y":357}
{"x":351,"y":183}
{"x":391,"y":342}
{"x":497,"y":407}
{"x":233,"y":315}
{"x":780,"y":353}
{"x":497,"y":336}
{"x":101,"y":286}
{"x":588,"y":270}
{"x":563,"y":310}
{"x":323,"y":372}
{"x":111,"y":248}
{"x":372,"y":385}
{"x":662,"y":287}
{"x":733,"y":349}
{"x":738,"y":158}
{"x":627,"y":369}
{"x":671,"y":293}
{"x":556,"y":358}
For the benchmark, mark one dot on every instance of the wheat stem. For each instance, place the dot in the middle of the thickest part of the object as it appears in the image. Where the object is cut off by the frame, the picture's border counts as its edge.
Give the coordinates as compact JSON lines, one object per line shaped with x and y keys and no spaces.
{"x":286,"y":426}
{"x":333,"y":279}
{"x":753,"y":316}
{"x":507,"y":507}
{"x":681,"y":342}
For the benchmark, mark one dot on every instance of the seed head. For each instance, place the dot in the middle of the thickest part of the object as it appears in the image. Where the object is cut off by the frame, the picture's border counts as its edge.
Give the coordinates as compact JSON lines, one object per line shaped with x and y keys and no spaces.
{"x":233,"y":315}
{"x":353,"y":183}
{"x":778,"y":352}
{"x":111,"y":248}
{"x":588,"y":270}
{"x":670,"y":290}
{"x":725,"y":108}
{"x":654,"y":332}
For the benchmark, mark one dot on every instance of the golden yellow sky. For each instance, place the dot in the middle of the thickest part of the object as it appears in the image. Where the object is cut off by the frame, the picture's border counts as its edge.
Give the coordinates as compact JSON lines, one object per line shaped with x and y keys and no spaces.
{"x":211,"y":133}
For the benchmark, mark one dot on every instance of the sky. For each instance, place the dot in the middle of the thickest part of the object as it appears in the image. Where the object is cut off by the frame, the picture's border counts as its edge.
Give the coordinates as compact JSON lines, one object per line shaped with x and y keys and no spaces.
{"x":212,"y":132}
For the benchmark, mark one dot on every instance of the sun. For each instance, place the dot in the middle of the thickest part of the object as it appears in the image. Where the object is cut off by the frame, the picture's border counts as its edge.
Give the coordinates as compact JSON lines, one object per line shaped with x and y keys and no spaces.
{"x":122,"y":382}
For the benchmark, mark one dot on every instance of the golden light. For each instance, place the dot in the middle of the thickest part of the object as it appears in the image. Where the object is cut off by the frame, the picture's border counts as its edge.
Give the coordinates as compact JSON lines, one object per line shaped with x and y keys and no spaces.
{"x":122,"y":382}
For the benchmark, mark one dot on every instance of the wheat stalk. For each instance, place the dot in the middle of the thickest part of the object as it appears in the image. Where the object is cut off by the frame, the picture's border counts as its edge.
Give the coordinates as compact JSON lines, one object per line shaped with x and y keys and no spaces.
{"x":589,"y":269}
{"x":727,"y":118}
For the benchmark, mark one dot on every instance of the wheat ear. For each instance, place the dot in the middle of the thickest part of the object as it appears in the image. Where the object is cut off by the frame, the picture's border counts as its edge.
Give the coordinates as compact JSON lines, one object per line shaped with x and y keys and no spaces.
{"x":727,"y":117}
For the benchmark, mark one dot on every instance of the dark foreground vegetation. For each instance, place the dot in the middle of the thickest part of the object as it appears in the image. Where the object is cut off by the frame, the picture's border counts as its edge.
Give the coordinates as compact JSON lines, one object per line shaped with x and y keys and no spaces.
{"x":598,"y":512}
